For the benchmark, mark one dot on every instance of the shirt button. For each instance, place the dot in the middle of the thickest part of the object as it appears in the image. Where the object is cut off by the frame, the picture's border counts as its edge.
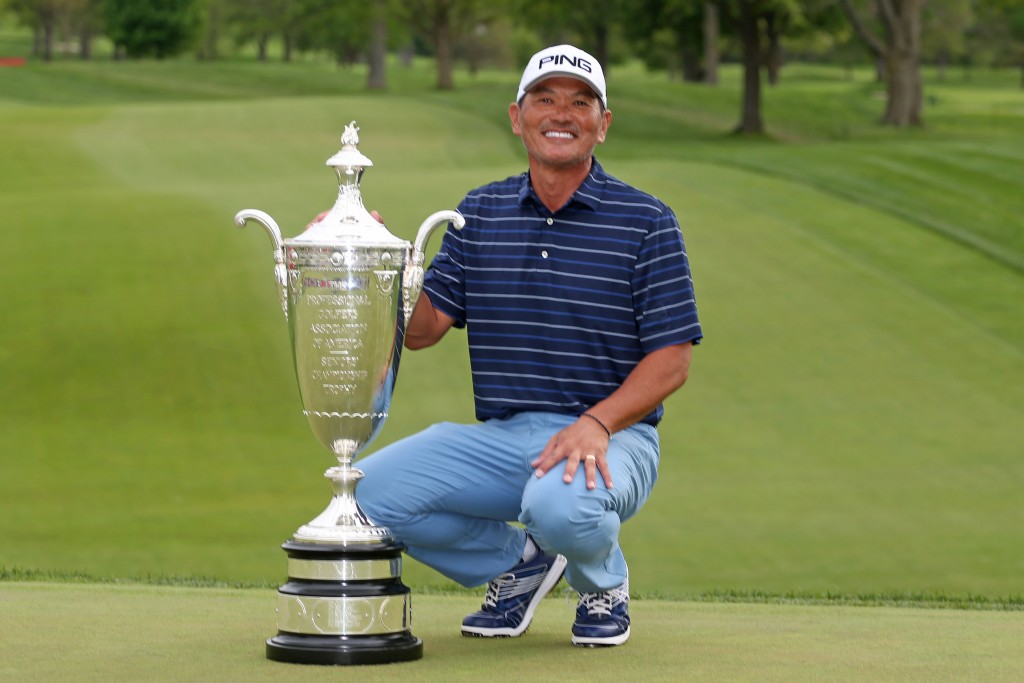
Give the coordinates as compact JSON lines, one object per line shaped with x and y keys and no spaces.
{"x":550,"y":220}
{"x":544,"y":253}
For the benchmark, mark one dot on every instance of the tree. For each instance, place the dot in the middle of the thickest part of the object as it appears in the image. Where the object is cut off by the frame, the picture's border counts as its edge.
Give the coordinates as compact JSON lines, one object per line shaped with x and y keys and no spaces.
{"x":377,"y":77}
{"x":944,"y":31}
{"x":710,"y":35}
{"x":899,"y":52}
{"x":256,"y":21}
{"x":750,"y":19}
{"x":589,"y":24}
{"x":798,"y":21}
{"x":1017,"y":33}
{"x":54,"y":21}
{"x":747,"y":16}
{"x":215,"y":14}
{"x":670,"y":33}
{"x":86,"y":22}
{"x":158,"y":28}
{"x":1002,"y":22}
{"x":42,"y":17}
{"x":442,"y":22}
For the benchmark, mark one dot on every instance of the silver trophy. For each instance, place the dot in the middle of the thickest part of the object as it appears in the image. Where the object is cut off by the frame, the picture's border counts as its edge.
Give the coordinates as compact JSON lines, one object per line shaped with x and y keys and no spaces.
{"x":347,"y":288}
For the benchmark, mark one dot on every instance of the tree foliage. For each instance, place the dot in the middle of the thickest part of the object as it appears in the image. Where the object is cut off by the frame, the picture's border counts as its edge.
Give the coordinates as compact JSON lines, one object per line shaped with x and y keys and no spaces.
{"x":680,"y":36}
{"x":442,"y":23}
{"x":156,"y":28}
{"x":590,"y":25}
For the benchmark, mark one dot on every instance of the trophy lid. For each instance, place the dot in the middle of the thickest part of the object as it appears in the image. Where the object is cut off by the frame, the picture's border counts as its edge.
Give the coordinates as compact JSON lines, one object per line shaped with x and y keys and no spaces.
{"x":348,"y":222}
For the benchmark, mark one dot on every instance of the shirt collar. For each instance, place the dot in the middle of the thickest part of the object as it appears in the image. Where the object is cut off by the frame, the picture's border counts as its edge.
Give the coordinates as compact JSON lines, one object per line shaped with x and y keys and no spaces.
{"x":588,"y":194}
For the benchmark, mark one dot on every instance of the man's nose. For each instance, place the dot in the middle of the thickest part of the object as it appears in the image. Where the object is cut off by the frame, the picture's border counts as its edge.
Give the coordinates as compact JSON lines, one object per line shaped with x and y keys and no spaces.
{"x":563,"y":109}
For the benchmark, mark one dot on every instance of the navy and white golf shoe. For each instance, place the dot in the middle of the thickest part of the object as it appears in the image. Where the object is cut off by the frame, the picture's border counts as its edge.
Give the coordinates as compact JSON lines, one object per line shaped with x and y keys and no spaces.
{"x":513,"y":597}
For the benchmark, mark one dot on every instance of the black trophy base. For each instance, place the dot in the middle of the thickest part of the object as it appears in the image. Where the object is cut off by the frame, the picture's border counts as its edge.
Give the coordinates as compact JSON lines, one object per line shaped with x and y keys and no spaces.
{"x":344,"y":650}
{"x":344,"y":605}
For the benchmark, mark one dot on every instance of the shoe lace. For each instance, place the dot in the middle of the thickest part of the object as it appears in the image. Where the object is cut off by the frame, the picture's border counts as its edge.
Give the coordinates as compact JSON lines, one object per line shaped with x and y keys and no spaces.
{"x":602,"y":603}
{"x":494,"y":590}
{"x":508,"y":586}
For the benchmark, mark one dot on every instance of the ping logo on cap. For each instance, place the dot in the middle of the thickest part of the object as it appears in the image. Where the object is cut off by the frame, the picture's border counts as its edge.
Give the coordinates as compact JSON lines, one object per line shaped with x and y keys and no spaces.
{"x":558,"y":60}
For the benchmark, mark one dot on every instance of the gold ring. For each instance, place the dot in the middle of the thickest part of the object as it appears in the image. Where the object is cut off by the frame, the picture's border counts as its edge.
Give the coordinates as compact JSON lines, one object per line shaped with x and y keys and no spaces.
{"x":591,"y":457}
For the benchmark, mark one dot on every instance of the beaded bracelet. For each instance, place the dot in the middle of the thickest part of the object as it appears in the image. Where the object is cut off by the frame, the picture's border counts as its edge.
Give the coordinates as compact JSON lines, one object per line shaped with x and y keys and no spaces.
{"x":603,"y":426}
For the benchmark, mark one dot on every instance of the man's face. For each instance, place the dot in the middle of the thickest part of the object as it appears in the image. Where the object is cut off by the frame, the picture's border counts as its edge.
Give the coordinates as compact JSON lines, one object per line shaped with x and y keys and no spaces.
{"x":561,"y":122}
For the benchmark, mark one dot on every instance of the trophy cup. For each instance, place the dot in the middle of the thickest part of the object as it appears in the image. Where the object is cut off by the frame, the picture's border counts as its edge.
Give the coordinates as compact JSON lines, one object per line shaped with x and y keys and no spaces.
{"x":348,"y":288}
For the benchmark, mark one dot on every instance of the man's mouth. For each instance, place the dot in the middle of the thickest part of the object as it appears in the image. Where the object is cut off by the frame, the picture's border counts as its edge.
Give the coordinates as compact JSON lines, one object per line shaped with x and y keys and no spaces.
{"x":560,"y":134}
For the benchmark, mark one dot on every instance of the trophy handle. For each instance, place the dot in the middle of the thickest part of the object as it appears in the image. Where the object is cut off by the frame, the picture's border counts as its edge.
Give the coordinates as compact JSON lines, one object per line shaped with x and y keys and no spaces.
{"x":280,"y":273}
{"x":412,"y":283}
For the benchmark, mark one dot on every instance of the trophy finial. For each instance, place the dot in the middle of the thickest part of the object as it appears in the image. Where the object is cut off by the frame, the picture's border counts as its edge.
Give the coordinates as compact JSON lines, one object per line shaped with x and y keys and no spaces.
{"x":350,"y":138}
{"x":349,"y":157}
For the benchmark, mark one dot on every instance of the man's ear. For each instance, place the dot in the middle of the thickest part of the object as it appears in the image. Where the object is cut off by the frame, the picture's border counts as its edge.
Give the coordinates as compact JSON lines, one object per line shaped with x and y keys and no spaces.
{"x":606,"y":122}
{"x":513,"y":115}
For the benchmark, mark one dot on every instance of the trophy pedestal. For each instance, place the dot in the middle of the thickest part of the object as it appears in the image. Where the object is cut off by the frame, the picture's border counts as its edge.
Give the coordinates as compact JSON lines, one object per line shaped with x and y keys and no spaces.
{"x":344,"y":604}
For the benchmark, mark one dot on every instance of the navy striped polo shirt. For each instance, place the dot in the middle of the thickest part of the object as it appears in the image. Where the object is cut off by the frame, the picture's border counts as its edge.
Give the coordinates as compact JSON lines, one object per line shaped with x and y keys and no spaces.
{"x":560,"y":307}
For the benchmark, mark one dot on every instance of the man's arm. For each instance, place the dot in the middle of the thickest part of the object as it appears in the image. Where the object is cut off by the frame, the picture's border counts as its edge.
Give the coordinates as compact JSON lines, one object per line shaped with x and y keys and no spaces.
{"x":427,"y":324}
{"x":654,"y":379}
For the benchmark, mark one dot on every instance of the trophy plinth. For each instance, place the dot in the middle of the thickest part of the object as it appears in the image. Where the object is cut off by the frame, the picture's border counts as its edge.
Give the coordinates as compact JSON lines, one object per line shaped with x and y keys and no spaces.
{"x":347,"y":288}
{"x":344,"y":604}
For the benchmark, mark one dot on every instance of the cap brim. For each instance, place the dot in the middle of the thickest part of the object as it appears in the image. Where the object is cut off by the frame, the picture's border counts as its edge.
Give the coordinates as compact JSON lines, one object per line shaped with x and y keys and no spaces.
{"x":567,"y":74}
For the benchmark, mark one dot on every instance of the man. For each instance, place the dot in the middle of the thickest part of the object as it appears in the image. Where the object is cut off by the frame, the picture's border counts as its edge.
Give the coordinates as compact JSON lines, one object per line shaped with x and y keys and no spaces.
{"x":575,"y":292}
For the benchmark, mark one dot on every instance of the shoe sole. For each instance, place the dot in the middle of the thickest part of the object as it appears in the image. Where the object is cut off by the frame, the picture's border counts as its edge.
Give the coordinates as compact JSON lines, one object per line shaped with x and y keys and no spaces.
{"x":579,"y":641}
{"x":553,"y":577}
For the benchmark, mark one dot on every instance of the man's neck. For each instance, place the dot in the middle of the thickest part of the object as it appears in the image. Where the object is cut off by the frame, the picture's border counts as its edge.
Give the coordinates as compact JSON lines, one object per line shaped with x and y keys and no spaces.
{"x":554,"y":186}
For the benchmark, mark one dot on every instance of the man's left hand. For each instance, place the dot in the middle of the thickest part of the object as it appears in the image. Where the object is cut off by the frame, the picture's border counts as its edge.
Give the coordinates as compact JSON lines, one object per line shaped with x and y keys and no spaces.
{"x":585,"y":443}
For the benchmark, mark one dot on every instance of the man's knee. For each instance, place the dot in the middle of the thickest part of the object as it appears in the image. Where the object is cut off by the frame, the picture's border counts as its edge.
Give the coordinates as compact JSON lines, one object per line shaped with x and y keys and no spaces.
{"x":569,"y":524}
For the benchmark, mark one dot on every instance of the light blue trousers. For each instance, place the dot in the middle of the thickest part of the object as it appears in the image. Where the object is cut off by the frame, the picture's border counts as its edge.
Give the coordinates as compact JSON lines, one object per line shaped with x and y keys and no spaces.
{"x":450,"y":492}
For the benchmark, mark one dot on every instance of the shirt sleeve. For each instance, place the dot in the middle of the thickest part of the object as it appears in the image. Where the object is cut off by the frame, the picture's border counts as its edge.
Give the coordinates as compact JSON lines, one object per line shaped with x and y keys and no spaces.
{"x":663,"y":295}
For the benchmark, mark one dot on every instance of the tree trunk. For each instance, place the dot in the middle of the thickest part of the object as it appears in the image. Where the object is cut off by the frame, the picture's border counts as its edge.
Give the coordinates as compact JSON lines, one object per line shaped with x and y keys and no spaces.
{"x":773,"y":56}
{"x":899,"y":56}
{"x":208,"y":50}
{"x":904,"y":90}
{"x":750,"y":37}
{"x":287,"y":55}
{"x":602,"y":53}
{"x":261,"y":45}
{"x":902,"y":66}
{"x":378,"y":78}
{"x":692,"y":69}
{"x":711,"y":31}
{"x":85,"y":43}
{"x":48,"y":41}
{"x":445,"y":58}
{"x":941,"y":66}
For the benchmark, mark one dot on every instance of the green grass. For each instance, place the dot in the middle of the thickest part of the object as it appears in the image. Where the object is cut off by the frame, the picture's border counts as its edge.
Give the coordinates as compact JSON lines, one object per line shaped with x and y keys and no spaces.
{"x":853,"y":423}
{"x":146,"y":633}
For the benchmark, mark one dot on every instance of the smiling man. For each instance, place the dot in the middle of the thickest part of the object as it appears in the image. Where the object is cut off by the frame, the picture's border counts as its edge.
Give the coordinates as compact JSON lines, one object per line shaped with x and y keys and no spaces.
{"x":575,"y":292}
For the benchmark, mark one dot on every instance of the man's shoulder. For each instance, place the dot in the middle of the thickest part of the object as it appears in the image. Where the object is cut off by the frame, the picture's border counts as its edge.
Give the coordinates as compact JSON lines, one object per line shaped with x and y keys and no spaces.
{"x":615,"y":191}
{"x":509,"y":186}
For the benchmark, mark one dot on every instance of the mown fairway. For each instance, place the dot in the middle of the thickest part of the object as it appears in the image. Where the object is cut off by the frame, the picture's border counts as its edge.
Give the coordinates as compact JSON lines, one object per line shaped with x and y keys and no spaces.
{"x":853,"y":426}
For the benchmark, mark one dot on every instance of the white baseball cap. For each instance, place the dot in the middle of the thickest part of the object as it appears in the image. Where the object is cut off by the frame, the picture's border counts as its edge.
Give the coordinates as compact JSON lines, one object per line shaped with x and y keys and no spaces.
{"x":563,"y":60}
